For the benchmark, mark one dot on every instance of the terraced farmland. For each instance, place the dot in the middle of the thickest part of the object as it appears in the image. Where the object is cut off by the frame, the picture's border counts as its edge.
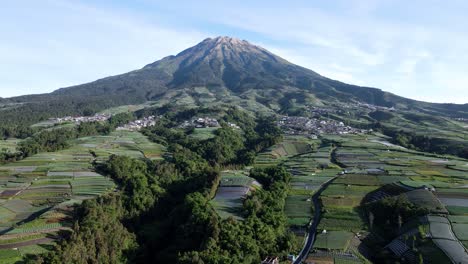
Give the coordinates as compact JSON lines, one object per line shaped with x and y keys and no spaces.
{"x":375,"y":169}
{"x":291,"y":146}
{"x":36,"y":193}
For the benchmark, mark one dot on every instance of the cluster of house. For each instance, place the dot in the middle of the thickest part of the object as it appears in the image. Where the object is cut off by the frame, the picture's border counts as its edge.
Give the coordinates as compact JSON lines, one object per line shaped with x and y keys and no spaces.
{"x":139,"y":124}
{"x":298,"y":125}
{"x":80,"y":119}
{"x":204,"y":122}
{"x":461,"y":119}
{"x":200,"y":122}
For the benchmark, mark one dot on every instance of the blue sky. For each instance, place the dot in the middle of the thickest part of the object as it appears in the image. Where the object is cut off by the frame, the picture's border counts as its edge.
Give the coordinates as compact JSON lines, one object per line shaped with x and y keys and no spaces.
{"x":417,"y":49}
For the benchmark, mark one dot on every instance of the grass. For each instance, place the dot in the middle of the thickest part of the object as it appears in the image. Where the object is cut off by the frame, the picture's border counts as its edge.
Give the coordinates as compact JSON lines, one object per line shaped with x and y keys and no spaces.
{"x":8,"y":256}
{"x":333,"y":240}
{"x":203,"y":133}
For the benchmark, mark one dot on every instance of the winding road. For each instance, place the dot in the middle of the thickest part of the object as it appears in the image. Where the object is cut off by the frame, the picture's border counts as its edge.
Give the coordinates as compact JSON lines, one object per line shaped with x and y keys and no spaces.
{"x":315,"y":221}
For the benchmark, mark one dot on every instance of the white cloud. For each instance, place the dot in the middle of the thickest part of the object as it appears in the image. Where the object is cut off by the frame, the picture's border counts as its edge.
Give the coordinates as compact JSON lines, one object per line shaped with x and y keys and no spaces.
{"x":72,"y":43}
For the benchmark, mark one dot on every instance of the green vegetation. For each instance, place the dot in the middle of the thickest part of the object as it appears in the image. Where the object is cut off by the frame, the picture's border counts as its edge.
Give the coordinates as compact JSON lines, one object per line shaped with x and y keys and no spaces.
{"x":334,"y":240}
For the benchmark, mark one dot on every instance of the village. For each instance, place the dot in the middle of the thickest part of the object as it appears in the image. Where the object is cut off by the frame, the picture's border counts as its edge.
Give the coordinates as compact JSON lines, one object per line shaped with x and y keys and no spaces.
{"x":298,"y":125}
{"x":80,"y":119}
{"x":204,"y":122}
{"x":140,"y":123}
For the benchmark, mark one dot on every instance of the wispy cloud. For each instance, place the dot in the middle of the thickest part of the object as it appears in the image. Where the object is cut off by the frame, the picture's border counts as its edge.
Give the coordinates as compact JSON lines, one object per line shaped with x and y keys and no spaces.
{"x":408,"y":48}
{"x":65,"y":43}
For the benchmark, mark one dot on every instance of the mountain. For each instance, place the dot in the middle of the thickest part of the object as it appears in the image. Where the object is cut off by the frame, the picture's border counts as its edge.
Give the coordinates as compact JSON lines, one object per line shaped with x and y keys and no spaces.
{"x":217,"y":70}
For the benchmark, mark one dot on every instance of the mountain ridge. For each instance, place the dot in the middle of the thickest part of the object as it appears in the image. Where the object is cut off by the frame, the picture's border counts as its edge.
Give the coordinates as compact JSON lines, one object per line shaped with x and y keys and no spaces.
{"x":228,"y":68}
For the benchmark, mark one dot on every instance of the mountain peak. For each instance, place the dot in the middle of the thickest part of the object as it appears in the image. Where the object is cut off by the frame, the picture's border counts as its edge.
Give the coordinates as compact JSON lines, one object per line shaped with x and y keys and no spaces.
{"x":226,"y":39}
{"x":226,"y":43}
{"x":228,"y":62}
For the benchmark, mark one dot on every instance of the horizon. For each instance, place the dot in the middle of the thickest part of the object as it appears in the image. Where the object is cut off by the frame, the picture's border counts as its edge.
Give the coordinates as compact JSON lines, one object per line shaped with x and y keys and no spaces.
{"x":397,"y":54}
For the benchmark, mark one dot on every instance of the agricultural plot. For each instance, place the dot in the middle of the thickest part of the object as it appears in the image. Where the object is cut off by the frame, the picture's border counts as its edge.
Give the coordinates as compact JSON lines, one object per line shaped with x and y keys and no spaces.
{"x":298,"y":209}
{"x":124,"y":143}
{"x":458,"y":219}
{"x":427,"y":180}
{"x":308,"y":175}
{"x":461,"y":231}
{"x":333,"y":240}
{"x":232,"y":189}
{"x":9,"y":145}
{"x":291,"y":146}
{"x":342,"y":220}
{"x":441,"y":232}
{"x":457,"y":210}
{"x":36,"y":193}
{"x":358,"y":179}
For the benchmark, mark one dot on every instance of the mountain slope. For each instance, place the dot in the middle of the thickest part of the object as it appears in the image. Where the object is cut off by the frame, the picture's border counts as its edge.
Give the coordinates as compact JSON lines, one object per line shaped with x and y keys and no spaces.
{"x":222,"y":69}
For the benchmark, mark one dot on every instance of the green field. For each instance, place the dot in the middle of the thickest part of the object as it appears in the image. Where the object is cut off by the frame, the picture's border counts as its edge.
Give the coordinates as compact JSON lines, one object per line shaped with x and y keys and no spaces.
{"x":333,"y":240}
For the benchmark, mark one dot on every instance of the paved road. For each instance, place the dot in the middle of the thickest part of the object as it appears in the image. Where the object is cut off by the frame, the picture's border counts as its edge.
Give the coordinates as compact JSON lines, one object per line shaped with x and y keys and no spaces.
{"x":315,"y":221}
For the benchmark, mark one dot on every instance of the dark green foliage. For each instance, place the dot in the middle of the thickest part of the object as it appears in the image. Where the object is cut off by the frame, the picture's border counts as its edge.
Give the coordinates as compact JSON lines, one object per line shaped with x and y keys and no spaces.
{"x":429,"y":144}
{"x":263,"y":232}
{"x":270,"y":175}
{"x":16,"y":131}
{"x":225,"y":147}
{"x":140,"y":190}
{"x":121,"y":119}
{"x":391,"y":213}
{"x":98,"y":236}
{"x":381,"y":115}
